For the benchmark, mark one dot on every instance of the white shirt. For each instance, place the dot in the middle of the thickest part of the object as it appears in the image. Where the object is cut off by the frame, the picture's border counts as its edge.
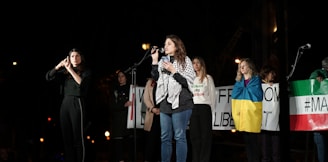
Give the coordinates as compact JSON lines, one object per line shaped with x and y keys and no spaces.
{"x":204,"y":92}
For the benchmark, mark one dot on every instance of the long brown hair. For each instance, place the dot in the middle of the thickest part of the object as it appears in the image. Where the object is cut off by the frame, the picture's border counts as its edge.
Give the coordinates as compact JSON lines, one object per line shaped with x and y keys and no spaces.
{"x":180,"y":53}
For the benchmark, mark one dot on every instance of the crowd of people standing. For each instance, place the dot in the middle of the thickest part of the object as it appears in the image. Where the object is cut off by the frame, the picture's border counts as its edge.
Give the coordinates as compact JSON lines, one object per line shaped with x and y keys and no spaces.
{"x":179,"y":95}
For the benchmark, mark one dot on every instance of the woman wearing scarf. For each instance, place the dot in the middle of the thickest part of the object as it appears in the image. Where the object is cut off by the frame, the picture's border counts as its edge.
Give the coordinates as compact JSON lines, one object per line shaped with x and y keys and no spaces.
{"x":174,"y":77}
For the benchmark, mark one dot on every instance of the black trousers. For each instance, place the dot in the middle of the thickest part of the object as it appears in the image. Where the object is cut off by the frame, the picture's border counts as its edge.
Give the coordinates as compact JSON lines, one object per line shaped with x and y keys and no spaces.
{"x":252,"y":142}
{"x":71,"y":120}
{"x":153,"y":141}
{"x":200,"y":127}
{"x":122,"y":149}
{"x":270,"y":141}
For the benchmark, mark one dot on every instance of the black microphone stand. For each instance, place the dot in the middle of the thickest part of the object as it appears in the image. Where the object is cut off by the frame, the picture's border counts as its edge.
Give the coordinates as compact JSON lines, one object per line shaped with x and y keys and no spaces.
{"x":298,"y":56}
{"x":133,"y":70}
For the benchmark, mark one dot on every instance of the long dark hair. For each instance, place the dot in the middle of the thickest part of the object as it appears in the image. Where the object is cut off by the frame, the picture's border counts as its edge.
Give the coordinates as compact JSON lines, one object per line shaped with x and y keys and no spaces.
{"x":265,"y":70}
{"x":82,"y":66}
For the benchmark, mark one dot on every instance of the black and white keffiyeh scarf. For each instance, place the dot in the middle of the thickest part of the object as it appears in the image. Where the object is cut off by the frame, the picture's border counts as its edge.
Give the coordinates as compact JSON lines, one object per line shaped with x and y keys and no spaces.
{"x":168,"y":86}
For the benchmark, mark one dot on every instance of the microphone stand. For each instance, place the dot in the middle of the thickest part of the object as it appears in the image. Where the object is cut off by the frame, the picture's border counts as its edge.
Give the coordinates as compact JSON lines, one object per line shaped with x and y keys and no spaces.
{"x":133,"y":70}
{"x":298,"y":56}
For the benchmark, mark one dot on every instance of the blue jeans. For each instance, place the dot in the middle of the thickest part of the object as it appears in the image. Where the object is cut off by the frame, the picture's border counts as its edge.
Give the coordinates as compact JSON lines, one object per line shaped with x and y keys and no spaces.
{"x":321,"y":143}
{"x":174,"y":123}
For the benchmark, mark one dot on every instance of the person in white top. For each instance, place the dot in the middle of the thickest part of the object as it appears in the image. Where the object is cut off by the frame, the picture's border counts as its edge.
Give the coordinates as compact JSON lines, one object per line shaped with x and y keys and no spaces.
{"x":200,"y":126}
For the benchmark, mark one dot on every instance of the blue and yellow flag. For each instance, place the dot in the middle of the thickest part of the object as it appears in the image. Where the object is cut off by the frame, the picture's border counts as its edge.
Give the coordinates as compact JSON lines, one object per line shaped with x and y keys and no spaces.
{"x":246,"y":104}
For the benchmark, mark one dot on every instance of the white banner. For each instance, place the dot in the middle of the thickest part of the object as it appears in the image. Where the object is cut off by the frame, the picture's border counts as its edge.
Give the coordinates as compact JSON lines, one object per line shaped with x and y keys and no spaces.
{"x":271,"y":107}
{"x":222,"y":115}
{"x":135,"y":95}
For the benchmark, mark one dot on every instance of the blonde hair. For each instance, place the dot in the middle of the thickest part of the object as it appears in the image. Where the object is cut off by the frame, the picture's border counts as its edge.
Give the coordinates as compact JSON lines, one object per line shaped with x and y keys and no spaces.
{"x":251,"y":65}
{"x":203,"y":72}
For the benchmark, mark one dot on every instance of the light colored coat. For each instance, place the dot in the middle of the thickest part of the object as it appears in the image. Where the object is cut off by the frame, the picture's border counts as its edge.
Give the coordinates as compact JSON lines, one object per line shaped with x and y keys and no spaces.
{"x":149,"y":102}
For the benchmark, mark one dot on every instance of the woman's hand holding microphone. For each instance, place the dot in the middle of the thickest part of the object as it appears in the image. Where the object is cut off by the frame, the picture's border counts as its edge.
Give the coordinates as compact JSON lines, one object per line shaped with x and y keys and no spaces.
{"x":154,"y":55}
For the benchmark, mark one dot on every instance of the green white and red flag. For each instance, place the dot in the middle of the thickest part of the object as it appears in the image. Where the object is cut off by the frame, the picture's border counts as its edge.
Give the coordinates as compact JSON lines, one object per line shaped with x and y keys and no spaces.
{"x":308,"y":105}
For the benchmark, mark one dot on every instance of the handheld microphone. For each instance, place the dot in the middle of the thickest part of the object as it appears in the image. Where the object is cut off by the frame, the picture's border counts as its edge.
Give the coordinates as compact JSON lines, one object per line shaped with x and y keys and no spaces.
{"x":306,"y":46}
{"x":160,"y":49}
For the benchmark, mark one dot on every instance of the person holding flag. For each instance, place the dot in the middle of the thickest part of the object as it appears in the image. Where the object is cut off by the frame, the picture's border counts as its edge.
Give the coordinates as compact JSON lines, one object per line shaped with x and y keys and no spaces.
{"x":320,"y":136}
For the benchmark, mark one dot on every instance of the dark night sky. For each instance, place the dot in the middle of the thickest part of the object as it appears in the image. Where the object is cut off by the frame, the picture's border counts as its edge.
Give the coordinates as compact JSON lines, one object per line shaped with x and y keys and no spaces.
{"x":110,"y":34}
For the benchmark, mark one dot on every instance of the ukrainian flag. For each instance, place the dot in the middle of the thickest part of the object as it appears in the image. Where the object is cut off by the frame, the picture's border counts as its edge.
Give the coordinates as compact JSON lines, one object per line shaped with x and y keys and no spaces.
{"x":246,"y":104}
